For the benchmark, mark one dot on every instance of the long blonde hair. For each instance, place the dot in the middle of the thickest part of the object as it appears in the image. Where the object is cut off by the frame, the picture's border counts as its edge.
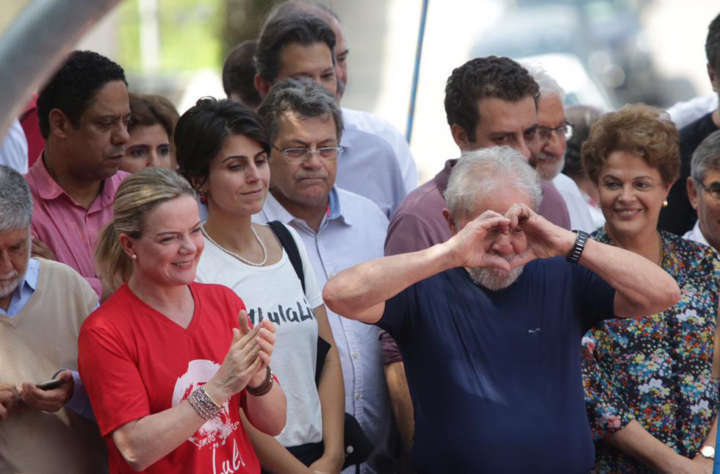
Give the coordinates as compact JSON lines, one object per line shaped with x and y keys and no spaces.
{"x":136,"y":196}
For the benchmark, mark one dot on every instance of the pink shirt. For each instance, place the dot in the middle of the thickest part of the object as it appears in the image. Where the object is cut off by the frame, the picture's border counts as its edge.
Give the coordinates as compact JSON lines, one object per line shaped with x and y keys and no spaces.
{"x":70,"y":230}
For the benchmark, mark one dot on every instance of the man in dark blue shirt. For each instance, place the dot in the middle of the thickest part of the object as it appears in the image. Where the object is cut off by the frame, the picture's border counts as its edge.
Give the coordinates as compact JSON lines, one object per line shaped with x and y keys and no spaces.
{"x":489,"y":323}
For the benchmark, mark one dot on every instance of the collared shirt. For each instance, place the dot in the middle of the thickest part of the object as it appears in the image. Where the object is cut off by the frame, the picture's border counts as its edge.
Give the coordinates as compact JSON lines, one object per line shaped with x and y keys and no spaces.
{"x":370,"y":167}
{"x":695,"y":234}
{"x":370,"y":123}
{"x":352,"y":232}
{"x":79,"y":401}
{"x":68,"y":228}
{"x":24,"y":290}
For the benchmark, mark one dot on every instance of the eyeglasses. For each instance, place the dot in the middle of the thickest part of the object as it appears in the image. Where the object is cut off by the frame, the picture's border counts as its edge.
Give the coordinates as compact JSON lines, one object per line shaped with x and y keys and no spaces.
{"x":327,"y":153}
{"x":713,"y":190}
{"x":563,"y":131}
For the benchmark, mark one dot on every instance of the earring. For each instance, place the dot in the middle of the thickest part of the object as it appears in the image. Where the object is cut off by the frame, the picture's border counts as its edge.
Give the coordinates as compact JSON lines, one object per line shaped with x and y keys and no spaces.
{"x":133,"y":256}
{"x":665,"y":203}
{"x":203,"y":197}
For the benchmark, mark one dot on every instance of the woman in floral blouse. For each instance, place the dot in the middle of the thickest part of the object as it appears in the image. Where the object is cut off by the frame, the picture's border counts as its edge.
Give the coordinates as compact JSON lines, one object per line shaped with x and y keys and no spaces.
{"x":650,"y":393}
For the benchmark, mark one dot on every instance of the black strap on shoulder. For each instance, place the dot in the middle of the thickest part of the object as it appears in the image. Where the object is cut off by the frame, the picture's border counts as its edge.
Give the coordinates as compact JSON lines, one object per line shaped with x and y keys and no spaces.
{"x":288,"y":243}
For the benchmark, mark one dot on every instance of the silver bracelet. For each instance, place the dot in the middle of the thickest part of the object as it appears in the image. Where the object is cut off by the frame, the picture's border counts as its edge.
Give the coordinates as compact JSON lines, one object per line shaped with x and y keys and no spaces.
{"x":203,"y":404}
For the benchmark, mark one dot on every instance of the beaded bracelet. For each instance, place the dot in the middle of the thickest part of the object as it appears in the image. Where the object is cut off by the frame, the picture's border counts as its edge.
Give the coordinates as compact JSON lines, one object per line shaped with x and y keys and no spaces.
{"x":203,"y":404}
{"x":264,"y":387}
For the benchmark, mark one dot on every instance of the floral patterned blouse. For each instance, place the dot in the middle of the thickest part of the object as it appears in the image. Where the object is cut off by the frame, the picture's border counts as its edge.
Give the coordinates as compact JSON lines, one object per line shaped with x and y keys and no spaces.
{"x":658,"y":369}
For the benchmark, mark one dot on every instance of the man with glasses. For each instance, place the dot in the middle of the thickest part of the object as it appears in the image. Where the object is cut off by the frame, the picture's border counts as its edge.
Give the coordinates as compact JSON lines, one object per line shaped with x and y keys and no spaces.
{"x":703,"y":188}
{"x":339,"y":228}
{"x":294,"y":43}
{"x":548,"y":158}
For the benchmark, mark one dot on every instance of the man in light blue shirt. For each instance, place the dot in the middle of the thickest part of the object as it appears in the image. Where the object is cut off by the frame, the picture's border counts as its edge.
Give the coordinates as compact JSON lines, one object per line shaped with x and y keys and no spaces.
{"x":42,"y":306}
{"x":298,"y":44}
{"x":339,"y":229}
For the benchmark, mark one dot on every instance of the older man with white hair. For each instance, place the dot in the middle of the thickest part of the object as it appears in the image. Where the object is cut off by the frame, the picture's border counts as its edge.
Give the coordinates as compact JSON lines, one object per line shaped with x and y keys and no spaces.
{"x":42,"y":306}
{"x":489,"y":322}
{"x":549,"y":158}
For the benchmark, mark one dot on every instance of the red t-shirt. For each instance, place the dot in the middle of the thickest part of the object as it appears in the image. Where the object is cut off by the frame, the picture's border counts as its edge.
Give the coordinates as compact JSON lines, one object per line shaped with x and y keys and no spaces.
{"x":135,"y":362}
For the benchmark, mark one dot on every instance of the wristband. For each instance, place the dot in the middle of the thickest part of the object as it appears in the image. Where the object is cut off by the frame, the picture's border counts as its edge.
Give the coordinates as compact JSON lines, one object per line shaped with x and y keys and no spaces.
{"x":264,"y":387}
{"x":577,"y":250}
{"x":203,"y":404}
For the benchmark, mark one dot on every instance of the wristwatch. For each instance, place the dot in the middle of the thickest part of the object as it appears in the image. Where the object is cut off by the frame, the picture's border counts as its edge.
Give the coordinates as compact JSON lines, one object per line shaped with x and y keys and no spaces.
{"x":708,"y":452}
{"x":577,"y":250}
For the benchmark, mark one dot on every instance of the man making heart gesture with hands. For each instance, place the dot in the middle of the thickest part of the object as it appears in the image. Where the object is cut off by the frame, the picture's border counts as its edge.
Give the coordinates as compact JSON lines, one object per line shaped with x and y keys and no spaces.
{"x":489,"y":322}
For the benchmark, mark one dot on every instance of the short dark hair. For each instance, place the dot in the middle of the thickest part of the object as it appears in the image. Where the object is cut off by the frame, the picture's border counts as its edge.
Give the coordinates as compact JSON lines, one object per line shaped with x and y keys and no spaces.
{"x":582,"y":118}
{"x":303,"y":96}
{"x":281,"y":30}
{"x":73,"y":87}
{"x":202,"y":130}
{"x":238,"y":74}
{"x":491,"y":76}
{"x":712,"y":44}
{"x":148,"y":110}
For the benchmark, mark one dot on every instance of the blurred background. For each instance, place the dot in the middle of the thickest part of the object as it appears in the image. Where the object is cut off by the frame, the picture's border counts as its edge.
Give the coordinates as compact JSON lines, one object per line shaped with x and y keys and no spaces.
{"x":603,"y":52}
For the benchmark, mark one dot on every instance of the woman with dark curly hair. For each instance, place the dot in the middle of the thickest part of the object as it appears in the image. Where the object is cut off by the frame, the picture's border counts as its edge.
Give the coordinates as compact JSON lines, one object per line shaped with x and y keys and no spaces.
{"x":650,"y":393}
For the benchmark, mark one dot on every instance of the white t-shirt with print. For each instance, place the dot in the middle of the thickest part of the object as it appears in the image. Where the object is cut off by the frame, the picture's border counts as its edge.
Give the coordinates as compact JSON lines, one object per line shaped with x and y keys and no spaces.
{"x":274,"y":292}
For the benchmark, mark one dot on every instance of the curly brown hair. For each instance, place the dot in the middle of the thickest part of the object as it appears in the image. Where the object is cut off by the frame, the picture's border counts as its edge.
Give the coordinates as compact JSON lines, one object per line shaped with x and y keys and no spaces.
{"x":638,"y":129}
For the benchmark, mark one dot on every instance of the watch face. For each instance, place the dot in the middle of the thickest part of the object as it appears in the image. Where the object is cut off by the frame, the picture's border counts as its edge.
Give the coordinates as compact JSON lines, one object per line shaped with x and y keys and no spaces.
{"x":708,"y":451}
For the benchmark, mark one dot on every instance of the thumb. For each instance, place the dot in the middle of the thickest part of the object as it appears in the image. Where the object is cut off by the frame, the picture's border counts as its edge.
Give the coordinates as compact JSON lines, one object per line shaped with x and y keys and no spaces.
{"x":244,"y":322}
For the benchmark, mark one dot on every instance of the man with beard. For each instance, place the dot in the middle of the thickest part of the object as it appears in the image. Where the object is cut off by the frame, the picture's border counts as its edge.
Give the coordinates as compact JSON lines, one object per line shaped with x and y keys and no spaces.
{"x":489,"y":322}
{"x":83,"y":111}
{"x":549,"y":158}
{"x":42,"y":306}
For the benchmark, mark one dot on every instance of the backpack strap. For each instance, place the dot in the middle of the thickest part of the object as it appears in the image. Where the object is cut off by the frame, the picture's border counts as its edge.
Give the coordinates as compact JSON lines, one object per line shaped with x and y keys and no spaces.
{"x":288,"y":243}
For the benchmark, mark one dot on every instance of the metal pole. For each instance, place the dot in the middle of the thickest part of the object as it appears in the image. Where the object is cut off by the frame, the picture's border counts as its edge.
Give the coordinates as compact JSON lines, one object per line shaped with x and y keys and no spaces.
{"x":416,"y":72}
{"x":36,"y":43}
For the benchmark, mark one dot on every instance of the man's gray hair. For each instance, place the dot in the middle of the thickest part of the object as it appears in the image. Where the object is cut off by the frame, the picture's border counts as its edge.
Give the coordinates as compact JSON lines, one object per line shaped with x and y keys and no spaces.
{"x":16,"y":205}
{"x":547,"y":84}
{"x":480,"y":173}
{"x":706,"y":157}
{"x":302,"y":96}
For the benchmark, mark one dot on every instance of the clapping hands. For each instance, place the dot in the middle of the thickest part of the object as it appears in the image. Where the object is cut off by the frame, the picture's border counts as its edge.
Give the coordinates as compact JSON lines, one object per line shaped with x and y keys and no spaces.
{"x":246,"y":361}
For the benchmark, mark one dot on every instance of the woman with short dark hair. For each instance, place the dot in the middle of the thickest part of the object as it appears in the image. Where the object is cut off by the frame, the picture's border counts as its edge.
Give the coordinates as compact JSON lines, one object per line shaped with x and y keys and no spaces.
{"x":223,"y":151}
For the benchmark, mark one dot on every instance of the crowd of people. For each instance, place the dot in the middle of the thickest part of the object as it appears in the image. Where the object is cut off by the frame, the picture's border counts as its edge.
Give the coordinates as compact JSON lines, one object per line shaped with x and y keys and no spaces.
{"x":260,"y":285}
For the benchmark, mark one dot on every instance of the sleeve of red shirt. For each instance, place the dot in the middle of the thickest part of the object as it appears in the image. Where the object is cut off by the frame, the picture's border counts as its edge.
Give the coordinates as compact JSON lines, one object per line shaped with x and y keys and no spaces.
{"x":116,"y":390}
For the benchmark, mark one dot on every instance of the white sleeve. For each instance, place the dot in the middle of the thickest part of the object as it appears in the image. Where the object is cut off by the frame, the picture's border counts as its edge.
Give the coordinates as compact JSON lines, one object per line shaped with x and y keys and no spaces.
{"x":313,"y":292}
{"x":14,"y":149}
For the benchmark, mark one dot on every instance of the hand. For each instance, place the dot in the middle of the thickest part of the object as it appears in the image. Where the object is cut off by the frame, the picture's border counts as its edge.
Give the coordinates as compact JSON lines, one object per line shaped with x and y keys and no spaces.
{"x":704,"y":464}
{"x":9,"y":400}
{"x":544,"y":239}
{"x":266,"y":340}
{"x":242,"y":362}
{"x":327,"y":465}
{"x":41,"y":249}
{"x":683,"y":465}
{"x":48,"y":400}
{"x":470,"y":246}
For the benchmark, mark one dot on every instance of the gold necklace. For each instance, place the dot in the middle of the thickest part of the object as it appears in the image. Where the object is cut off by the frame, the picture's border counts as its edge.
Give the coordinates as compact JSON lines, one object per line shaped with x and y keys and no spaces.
{"x":237,"y":256}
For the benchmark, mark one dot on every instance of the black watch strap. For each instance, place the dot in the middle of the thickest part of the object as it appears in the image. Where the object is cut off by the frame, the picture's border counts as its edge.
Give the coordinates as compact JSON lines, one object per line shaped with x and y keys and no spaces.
{"x":577,"y":250}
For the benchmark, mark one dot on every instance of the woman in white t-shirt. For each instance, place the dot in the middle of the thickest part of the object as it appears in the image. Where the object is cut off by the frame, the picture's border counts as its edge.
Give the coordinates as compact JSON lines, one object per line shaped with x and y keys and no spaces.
{"x":223,"y":151}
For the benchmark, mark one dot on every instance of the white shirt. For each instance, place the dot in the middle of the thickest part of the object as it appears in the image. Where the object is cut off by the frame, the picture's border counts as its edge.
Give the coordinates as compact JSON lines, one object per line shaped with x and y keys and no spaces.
{"x":685,"y":113}
{"x":695,"y":234}
{"x":373,"y":124}
{"x":352,"y":233}
{"x":274,"y":292}
{"x":371,"y":165}
{"x":578,"y":207}
{"x":14,"y":149}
